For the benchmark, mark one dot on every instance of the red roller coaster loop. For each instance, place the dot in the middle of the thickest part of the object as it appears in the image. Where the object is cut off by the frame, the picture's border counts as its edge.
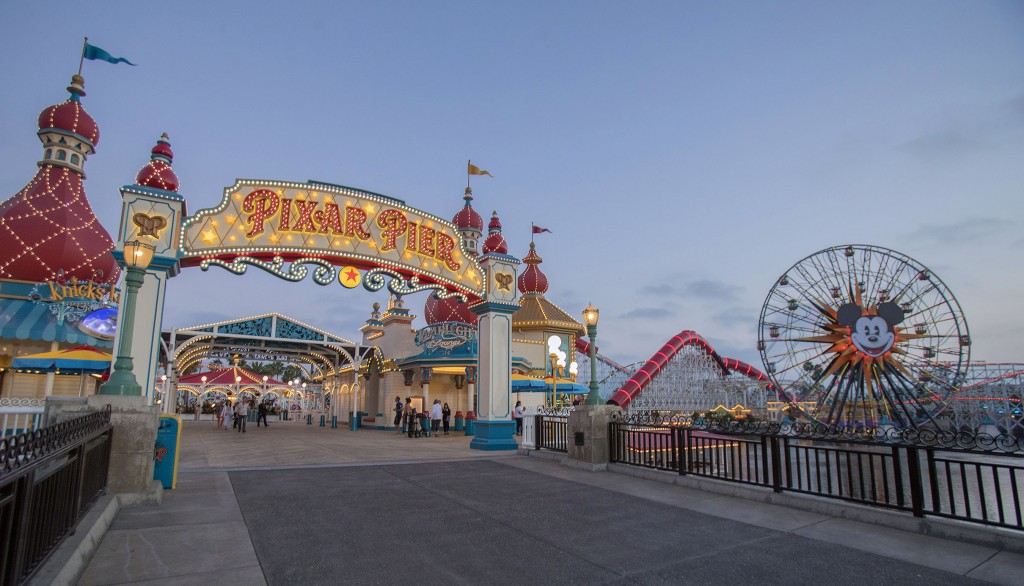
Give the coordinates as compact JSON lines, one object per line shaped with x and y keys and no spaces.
{"x":635,"y":385}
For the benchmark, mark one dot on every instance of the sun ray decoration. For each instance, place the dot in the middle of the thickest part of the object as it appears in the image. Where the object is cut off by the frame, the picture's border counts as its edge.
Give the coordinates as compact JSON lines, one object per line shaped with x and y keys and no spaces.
{"x":863,"y":336}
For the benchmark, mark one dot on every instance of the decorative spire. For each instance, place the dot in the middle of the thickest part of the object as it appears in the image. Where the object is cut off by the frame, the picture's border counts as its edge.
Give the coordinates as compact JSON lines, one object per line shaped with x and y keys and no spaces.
{"x":158,"y":173}
{"x":469,"y":224}
{"x":495,"y":242}
{"x":532,"y":279}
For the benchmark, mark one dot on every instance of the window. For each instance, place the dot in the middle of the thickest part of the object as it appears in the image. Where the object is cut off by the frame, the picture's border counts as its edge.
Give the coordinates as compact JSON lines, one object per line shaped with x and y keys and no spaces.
{"x":61,"y":155}
{"x":74,"y":159}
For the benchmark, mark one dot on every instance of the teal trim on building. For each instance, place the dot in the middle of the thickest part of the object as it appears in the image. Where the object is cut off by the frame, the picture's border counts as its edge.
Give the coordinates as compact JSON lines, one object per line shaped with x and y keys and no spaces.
{"x":26,"y":320}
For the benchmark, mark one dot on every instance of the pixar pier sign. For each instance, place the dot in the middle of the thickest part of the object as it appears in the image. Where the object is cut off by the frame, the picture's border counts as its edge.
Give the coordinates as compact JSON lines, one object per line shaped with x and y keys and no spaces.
{"x":270,"y":221}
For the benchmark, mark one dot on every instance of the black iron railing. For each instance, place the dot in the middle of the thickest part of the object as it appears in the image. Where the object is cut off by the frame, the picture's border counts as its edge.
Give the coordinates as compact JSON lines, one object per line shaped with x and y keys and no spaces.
{"x":552,"y":432}
{"x":974,"y":478}
{"x":49,"y":479}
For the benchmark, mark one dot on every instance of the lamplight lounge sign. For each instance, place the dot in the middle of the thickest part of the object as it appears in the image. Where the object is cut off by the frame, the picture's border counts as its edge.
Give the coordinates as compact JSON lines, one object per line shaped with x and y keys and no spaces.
{"x":268,"y":220}
{"x":445,"y":336}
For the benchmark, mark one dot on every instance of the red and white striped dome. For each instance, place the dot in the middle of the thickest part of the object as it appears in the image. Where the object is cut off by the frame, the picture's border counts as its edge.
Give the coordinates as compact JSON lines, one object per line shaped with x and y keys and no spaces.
{"x":158,"y":172}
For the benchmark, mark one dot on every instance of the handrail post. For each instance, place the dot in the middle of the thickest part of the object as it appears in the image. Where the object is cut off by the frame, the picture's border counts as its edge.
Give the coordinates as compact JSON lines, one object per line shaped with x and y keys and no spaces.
{"x":916,"y":486}
{"x":776,"y":463}
{"x":686,"y":445}
{"x":679,"y":450}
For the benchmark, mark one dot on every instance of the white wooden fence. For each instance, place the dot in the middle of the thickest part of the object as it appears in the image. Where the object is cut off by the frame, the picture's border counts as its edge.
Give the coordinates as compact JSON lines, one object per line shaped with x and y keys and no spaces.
{"x":20,"y":415}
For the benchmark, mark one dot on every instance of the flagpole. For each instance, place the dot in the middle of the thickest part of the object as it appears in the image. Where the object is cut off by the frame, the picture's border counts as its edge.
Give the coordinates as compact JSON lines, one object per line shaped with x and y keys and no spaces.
{"x":531,"y":232}
{"x":468,"y":162}
{"x":85,"y":41}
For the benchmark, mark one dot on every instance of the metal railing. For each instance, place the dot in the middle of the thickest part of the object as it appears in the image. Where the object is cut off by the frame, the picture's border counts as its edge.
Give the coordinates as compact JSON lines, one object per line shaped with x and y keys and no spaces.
{"x":979,"y":479}
{"x":552,"y":431}
{"x":49,"y":479}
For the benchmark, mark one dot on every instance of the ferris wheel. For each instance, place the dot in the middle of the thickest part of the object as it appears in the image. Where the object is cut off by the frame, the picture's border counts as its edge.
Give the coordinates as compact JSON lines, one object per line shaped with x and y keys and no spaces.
{"x":859,"y":335}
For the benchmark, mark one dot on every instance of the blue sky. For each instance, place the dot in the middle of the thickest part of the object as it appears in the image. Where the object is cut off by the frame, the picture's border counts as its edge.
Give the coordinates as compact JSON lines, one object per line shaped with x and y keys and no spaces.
{"x":684,"y":154}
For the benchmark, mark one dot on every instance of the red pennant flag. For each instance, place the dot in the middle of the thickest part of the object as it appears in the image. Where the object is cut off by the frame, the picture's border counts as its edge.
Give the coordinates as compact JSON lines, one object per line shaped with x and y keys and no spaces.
{"x":539,"y":230}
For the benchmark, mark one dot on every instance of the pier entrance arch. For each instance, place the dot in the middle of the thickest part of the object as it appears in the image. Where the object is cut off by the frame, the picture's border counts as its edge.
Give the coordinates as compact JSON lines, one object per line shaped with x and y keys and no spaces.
{"x":338,"y":236}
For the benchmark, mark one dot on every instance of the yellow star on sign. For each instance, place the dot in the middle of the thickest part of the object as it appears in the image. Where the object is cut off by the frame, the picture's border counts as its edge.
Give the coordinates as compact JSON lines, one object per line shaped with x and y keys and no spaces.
{"x":350,"y":277}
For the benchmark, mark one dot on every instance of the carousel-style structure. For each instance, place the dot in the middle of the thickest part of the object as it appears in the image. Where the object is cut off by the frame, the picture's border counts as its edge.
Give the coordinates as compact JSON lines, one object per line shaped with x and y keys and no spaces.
{"x":56,"y":267}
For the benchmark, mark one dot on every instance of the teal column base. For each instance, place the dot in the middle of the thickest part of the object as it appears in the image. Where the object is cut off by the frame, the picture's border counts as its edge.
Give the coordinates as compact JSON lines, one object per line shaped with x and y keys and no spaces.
{"x":470,"y":426}
{"x":123,"y":383}
{"x":458,"y":423}
{"x":494,"y":435}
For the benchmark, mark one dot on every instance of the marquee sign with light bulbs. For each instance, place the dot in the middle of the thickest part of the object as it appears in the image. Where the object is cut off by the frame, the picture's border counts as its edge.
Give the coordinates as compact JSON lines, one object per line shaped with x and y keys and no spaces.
{"x":268,"y":224}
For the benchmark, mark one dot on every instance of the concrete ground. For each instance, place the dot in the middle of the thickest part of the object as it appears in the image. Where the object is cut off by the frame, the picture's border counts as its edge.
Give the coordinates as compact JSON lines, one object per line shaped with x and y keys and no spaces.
{"x":298,"y":504}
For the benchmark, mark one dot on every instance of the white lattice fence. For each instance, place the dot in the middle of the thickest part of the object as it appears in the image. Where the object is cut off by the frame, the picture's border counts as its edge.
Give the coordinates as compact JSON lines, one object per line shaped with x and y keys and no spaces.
{"x":20,"y":415}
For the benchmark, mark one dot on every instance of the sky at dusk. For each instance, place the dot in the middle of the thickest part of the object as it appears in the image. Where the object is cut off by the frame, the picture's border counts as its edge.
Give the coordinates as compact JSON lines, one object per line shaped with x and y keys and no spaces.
{"x":683,"y":154}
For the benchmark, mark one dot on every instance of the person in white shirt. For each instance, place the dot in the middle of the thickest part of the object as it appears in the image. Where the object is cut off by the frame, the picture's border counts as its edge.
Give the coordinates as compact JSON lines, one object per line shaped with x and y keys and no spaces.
{"x":435,"y":417}
{"x":518,"y":415}
{"x":242,"y":411}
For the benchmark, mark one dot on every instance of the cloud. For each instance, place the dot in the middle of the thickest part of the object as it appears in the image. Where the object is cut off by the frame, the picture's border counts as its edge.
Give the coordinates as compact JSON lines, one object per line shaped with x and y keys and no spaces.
{"x":951,"y":142}
{"x":972,"y":133}
{"x":969,"y":230}
{"x":648,"y":313}
{"x":658,"y":290}
{"x":716,"y":290}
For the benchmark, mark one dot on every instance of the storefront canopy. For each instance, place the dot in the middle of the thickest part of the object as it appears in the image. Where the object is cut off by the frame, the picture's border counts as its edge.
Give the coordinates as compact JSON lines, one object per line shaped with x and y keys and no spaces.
{"x":80,"y":360}
{"x":526,"y":384}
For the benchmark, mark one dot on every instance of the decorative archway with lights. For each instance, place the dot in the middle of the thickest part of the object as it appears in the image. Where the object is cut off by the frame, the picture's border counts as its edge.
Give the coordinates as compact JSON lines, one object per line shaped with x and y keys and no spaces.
{"x":282,"y":227}
{"x":349,"y":236}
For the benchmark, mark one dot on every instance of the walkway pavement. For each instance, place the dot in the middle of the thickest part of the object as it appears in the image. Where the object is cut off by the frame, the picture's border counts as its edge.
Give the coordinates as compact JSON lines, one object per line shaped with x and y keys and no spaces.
{"x":298,"y":504}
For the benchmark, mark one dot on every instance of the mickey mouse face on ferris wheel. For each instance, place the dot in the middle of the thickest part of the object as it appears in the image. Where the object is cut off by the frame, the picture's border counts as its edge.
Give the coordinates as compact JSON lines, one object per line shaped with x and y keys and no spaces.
{"x":873,"y":335}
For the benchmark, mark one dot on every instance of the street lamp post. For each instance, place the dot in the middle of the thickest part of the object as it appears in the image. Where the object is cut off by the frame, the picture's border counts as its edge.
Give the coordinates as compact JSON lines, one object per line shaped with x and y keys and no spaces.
{"x":590,"y":318}
{"x":137,"y":256}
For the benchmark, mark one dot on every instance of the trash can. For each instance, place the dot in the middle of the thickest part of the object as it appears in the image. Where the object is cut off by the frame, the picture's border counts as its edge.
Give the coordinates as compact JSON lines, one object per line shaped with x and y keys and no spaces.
{"x":165,"y":455}
{"x":470,"y":423}
{"x":458,"y":421}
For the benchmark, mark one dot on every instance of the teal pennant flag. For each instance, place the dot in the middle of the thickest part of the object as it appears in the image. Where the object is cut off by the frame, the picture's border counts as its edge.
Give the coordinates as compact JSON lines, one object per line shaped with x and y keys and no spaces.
{"x":94,"y":53}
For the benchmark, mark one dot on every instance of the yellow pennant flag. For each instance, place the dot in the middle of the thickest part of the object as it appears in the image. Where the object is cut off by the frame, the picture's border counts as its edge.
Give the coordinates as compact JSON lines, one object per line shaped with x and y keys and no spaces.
{"x":474,"y":170}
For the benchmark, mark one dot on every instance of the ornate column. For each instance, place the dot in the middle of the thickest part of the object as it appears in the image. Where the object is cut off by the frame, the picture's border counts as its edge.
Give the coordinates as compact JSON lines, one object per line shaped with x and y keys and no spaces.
{"x":425,"y":386}
{"x":494,"y":424}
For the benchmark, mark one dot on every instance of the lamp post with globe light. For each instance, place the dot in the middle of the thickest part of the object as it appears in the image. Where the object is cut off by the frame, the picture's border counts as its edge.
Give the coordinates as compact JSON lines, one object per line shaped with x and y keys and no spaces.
{"x":137,"y":256}
{"x":590,"y":315}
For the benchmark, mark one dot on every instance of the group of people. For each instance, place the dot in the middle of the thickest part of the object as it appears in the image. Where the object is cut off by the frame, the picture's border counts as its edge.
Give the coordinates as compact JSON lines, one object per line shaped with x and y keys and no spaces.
{"x":422,"y":423}
{"x":238,"y":413}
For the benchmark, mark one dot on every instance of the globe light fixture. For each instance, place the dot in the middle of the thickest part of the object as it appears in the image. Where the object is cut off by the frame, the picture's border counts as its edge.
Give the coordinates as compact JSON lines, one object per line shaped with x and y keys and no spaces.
{"x":137,"y":256}
{"x":590,"y":315}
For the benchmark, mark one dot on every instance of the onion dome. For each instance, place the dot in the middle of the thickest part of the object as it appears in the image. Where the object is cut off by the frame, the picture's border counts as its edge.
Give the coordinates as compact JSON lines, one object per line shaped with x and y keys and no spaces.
{"x":469,"y":224}
{"x":158,"y":173}
{"x":532,"y":280}
{"x":67,"y":132}
{"x":495,"y":242}
{"x":48,"y":230}
{"x":70,"y":116}
{"x":467,"y":216}
{"x":451,"y":309}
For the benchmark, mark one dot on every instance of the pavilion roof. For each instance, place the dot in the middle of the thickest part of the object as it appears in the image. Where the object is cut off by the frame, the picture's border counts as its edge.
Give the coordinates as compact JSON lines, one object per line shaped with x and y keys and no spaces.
{"x":227,"y":376}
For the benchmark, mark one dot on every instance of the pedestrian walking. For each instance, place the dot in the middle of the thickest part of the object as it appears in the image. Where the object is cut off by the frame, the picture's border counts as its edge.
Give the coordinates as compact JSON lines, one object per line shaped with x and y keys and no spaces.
{"x":446,"y":417}
{"x":435,"y":417}
{"x":518,"y":415}
{"x":220,"y":415}
{"x":227,"y":411}
{"x":398,"y":414}
{"x":408,"y":416}
{"x":262,"y":414}
{"x":241,"y":413}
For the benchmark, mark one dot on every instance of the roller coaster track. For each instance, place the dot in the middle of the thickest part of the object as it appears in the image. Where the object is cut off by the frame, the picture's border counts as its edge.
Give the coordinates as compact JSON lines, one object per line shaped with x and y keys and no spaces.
{"x":641,"y":378}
